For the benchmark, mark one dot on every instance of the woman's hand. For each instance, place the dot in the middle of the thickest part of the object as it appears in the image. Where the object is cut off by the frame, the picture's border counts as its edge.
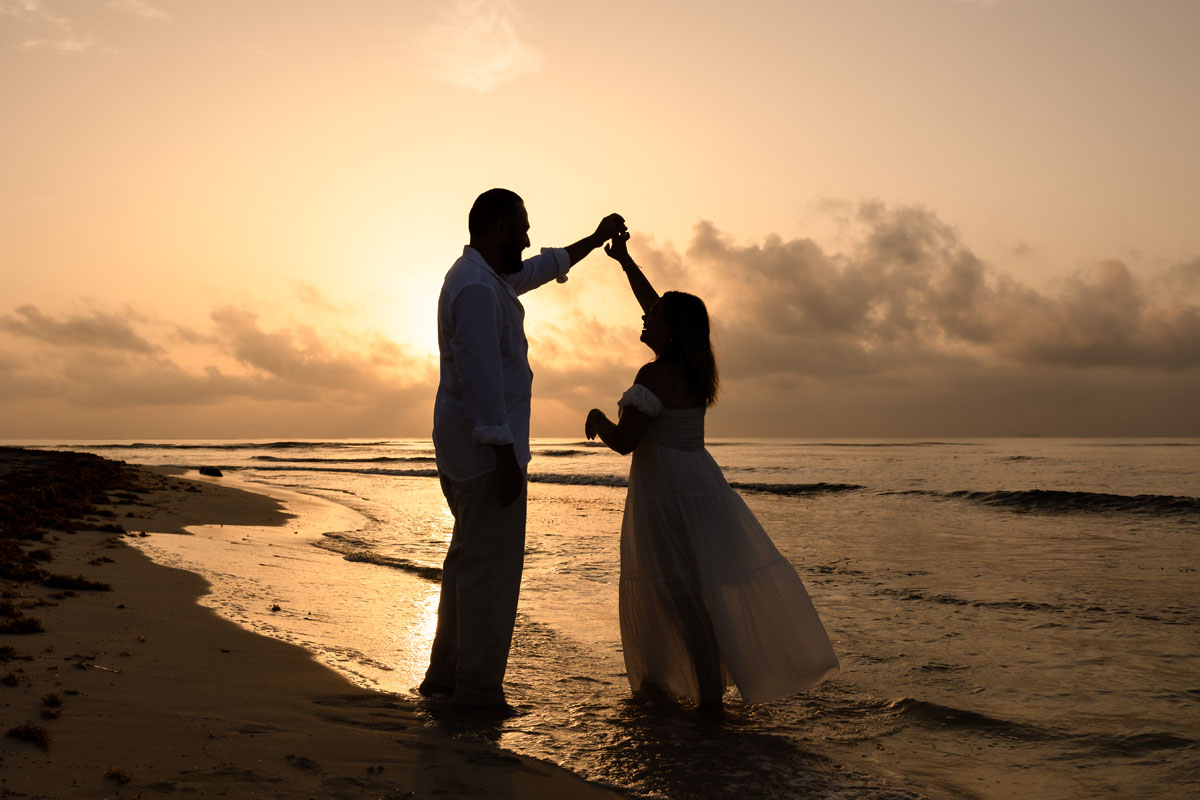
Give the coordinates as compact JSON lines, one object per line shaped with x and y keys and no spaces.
{"x":621,"y":436}
{"x":609,"y":228}
{"x":593,"y":418}
{"x":618,"y":248}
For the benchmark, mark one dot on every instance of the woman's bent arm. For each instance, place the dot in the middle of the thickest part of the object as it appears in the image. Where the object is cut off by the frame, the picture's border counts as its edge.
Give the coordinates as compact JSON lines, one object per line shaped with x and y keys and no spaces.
{"x":622,"y":436}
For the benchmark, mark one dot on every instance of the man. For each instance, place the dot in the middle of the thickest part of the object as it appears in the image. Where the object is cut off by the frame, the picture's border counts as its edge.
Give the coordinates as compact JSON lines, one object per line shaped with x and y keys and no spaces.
{"x":481,"y":436}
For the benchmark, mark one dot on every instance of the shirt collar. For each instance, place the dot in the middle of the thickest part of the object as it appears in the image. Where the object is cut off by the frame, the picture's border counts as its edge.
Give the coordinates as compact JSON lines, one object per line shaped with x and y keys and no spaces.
{"x":475,"y":257}
{"x":471,"y":254}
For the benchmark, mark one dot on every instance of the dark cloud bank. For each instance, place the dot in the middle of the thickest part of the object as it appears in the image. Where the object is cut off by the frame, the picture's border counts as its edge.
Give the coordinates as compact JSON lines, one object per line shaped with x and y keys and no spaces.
{"x":904,"y":333}
{"x":908,"y":333}
{"x":95,"y":375}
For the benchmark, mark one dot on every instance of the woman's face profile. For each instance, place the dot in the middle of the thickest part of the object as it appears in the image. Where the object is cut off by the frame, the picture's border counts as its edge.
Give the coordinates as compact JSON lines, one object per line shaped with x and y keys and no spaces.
{"x":655,"y":331}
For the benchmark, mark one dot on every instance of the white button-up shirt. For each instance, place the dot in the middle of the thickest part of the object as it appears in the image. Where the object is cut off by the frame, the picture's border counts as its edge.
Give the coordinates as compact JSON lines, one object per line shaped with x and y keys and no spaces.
{"x":486,"y":384}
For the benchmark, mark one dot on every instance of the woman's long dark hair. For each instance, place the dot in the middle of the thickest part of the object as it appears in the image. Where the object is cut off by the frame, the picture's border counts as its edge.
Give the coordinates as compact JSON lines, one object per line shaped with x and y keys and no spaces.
{"x":690,"y":346}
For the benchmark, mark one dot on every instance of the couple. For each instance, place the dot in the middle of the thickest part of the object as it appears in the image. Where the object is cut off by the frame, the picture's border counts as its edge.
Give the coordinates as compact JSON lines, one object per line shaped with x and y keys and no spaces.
{"x":705,"y":598}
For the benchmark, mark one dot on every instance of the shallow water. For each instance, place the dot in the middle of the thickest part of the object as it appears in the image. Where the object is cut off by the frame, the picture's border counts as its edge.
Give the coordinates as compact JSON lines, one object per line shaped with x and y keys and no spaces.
{"x":1015,"y":618}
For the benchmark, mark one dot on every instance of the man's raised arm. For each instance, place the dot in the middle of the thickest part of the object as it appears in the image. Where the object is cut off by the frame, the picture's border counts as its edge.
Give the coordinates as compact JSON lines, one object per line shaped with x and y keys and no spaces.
{"x":609,"y":227}
{"x":553,"y":263}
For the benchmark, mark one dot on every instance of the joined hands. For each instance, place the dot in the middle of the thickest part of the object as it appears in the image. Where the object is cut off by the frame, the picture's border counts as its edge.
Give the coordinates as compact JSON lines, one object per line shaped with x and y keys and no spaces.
{"x":610,"y":227}
{"x":618,"y":248}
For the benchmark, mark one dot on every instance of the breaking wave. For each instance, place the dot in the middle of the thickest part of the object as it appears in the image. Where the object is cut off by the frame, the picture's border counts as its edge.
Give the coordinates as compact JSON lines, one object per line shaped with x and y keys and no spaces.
{"x":794,"y":489}
{"x":356,"y":550}
{"x":929,"y":714}
{"x":1054,"y":501}
{"x":570,"y":479}
{"x":412,"y":473}
{"x":374,"y":460}
{"x":562,"y":478}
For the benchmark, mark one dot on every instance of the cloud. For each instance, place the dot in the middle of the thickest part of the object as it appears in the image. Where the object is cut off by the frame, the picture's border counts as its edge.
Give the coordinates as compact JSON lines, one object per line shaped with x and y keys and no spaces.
{"x":903,"y":331}
{"x":580,"y":361}
{"x":910,"y":290}
{"x":72,"y":44}
{"x":34,"y":12}
{"x":44,"y":29}
{"x":139,"y":8}
{"x":476,"y":45}
{"x":130,"y":368}
{"x":314,"y":298}
{"x":96,"y":329}
{"x":1183,"y":280}
{"x":303,"y":361}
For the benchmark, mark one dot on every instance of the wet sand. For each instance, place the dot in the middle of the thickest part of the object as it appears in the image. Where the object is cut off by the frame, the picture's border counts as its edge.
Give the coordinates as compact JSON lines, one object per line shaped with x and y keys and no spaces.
{"x":140,"y":691}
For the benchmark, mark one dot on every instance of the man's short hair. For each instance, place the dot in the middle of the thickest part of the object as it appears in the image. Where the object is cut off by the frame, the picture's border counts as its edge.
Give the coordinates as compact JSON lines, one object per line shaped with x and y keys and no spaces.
{"x":490,"y":207}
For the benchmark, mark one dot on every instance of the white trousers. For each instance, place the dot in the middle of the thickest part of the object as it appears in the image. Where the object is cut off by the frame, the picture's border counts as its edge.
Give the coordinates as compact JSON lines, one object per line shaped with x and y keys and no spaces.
{"x":481,"y":580}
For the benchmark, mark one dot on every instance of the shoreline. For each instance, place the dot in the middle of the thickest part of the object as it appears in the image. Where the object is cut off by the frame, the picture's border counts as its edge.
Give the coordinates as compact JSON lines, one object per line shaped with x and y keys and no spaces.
{"x":140,"y":689}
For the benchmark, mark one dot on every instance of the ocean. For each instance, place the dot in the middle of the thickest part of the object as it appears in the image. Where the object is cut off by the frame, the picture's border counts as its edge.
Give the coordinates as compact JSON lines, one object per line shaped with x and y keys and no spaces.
{"x":1014,"y":617}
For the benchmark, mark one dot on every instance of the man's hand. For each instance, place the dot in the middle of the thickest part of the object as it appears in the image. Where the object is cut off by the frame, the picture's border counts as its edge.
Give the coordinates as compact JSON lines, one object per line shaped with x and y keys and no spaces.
{"x":619,"y":248}
{"x":512,"y":478}
{"x":609,"y":227}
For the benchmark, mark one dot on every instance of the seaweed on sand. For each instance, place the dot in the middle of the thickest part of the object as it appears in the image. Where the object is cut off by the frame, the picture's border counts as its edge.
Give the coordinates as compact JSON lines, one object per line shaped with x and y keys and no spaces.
{"x":30,"y":733}
{"x":13,"y":620}
{"x":119,"y":775}
{"x":49,"y":490}
{"x":75,"y":582}
{"x":9,"y":653}
{"x":43,"y":491}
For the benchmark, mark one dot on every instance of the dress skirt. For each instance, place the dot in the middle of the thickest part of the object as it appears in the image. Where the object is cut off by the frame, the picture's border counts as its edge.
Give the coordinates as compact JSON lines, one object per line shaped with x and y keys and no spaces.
{"x":692,"y":555}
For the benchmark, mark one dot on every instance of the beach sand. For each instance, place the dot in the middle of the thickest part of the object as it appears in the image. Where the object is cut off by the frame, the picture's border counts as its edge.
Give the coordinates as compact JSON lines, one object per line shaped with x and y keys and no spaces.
{"x":141,"y":692}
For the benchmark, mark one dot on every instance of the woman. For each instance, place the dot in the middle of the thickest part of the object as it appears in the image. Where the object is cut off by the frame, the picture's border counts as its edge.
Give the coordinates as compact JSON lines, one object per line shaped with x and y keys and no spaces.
{"x":705,"y":598}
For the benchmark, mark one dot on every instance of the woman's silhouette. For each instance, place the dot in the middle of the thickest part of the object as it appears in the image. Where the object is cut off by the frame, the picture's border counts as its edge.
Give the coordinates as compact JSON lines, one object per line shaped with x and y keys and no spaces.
{"x":705,"y":598}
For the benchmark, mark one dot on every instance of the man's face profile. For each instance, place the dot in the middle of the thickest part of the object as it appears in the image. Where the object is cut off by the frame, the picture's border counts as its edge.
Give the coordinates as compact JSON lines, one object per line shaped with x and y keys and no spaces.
{"x":515,"y":230}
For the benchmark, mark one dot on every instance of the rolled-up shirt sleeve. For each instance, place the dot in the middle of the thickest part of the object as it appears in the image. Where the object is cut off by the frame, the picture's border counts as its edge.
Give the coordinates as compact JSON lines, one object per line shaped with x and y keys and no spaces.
{"x":475,"y":345}
{"x":552,"y":263}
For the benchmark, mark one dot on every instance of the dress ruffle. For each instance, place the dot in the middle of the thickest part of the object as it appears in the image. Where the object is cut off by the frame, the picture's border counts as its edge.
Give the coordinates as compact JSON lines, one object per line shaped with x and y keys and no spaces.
{"x":642,"y":399}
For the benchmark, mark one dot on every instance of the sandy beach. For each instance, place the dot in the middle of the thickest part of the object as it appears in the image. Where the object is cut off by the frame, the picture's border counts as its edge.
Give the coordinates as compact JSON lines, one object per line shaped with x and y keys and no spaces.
{"x":137,"y":691}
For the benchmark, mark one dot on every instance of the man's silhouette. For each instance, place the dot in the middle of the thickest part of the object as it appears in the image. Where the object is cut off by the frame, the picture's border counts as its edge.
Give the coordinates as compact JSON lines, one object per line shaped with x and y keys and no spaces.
{"x":481,"y":435}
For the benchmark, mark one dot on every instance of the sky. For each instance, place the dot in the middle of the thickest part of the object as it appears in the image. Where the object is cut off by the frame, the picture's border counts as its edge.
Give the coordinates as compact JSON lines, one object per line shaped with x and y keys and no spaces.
{"x":913,"y":218}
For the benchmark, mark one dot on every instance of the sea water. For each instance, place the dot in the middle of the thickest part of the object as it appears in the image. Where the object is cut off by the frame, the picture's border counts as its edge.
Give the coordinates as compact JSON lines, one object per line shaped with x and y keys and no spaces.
{"x":1014,"y":617}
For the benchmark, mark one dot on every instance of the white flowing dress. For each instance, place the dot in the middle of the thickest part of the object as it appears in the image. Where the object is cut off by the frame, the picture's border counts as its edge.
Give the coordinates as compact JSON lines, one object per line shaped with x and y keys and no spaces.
{"x":692,"y":550}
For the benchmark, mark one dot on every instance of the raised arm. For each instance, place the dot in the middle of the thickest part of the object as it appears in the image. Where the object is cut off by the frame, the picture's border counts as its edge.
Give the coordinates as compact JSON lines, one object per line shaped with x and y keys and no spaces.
{"x":609,"y":227}
{"x":642,"y":290}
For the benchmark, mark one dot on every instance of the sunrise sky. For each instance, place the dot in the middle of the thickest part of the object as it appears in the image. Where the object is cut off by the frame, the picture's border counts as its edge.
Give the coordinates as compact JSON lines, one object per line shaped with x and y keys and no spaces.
{"x":231,"y":218}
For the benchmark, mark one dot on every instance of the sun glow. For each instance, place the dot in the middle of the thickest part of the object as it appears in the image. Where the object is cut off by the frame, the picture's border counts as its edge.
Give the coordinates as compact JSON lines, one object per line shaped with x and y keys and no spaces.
{"x":252,"y":235}
{"x":403,"y":300}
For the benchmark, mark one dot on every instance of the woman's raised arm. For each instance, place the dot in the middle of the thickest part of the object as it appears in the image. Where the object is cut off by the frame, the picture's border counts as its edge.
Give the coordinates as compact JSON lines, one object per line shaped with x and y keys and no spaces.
{"x":642,"y":290}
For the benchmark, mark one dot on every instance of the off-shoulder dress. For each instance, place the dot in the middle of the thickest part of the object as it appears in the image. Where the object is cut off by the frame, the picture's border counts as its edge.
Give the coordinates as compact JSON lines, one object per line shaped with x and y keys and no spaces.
{"x":693,"y":555}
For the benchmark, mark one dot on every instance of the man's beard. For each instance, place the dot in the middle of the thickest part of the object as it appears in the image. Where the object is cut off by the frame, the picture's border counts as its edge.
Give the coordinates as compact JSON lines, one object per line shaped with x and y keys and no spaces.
{"x":510,"y":259}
